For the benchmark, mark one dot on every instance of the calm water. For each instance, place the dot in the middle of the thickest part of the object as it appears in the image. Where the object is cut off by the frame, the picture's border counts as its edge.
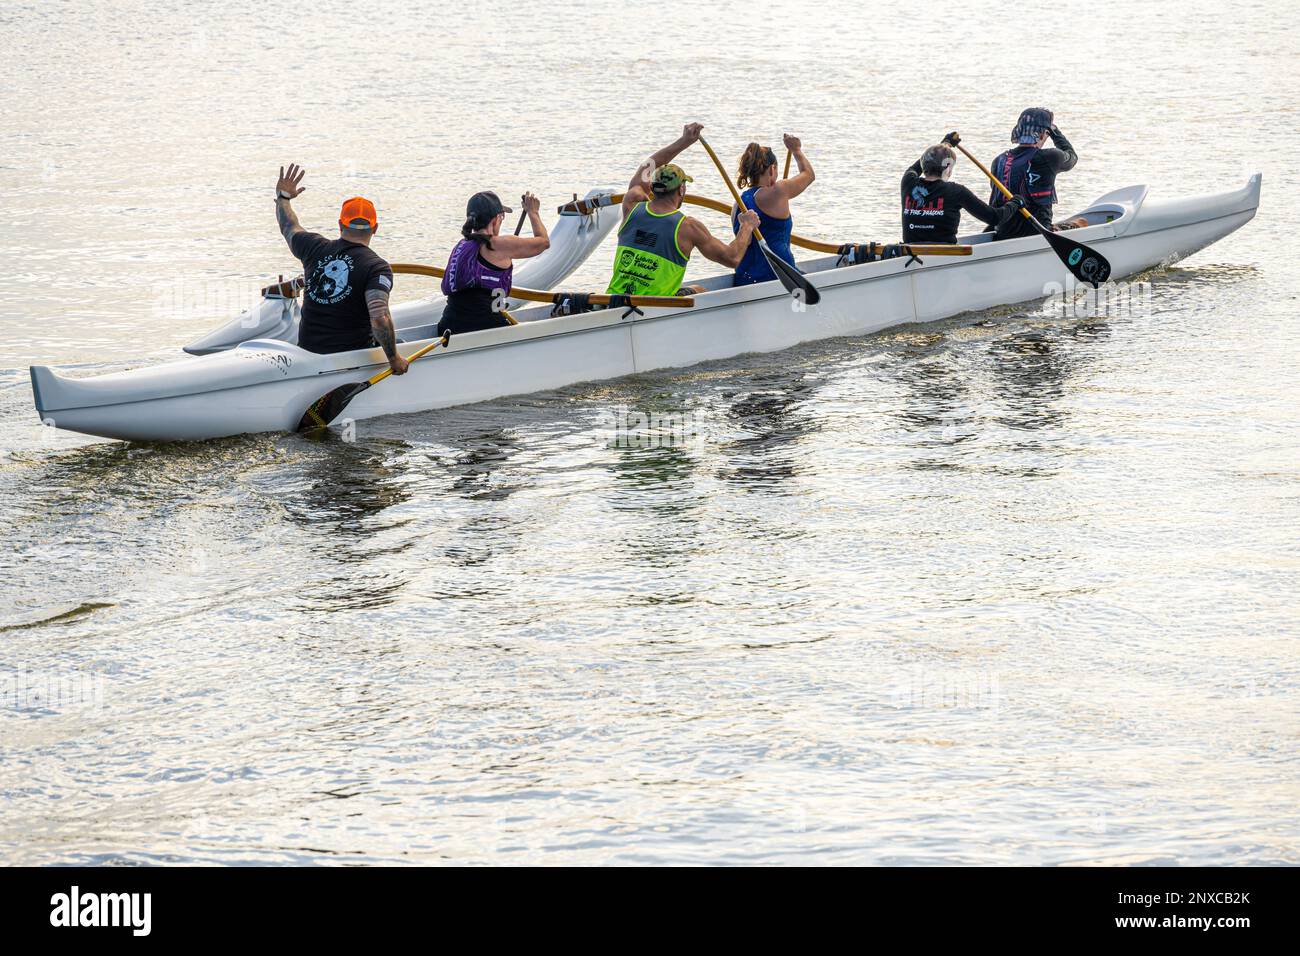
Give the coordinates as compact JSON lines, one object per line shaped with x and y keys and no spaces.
{"x":1013,"y":588}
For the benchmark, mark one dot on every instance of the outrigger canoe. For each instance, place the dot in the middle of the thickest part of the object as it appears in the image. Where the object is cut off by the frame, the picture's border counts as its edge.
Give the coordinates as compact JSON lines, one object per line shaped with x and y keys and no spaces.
{"x":266,"y":384}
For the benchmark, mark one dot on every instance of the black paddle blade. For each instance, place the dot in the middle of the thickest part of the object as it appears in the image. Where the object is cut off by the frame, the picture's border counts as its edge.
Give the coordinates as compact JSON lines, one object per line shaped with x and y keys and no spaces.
{"x":795,"y":282}
{"x":1086,"y":265}
{"x":329,"y":406}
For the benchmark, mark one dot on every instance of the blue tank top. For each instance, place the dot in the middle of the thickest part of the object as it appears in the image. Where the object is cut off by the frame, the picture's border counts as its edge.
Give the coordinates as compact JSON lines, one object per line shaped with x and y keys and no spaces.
{"x":754,"y":268}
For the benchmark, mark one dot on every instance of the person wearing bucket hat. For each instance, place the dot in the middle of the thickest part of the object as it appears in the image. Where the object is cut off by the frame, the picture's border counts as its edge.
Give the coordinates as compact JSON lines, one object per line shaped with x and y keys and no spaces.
{"x":1029,"y":171}
{"x":481,"y":267}
{"x":345,"y":296}
{"x":656,"y":238}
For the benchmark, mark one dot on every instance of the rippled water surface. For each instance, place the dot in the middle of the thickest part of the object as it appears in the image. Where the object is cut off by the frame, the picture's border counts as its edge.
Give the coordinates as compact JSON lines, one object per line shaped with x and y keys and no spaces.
{"x":1011,"y":588}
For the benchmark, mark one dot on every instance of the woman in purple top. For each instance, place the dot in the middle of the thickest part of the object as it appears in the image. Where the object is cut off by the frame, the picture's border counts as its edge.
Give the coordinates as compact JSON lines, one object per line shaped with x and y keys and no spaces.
{"x":477,"y":281}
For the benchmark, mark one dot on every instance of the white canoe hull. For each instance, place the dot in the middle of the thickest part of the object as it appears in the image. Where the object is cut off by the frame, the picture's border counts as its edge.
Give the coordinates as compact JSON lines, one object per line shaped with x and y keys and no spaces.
{"x":266,"y":385}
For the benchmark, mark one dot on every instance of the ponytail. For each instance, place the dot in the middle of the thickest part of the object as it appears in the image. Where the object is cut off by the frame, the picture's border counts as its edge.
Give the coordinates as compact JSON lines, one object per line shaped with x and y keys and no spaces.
{"x":469,"y":231}
{"x":753,"y":163}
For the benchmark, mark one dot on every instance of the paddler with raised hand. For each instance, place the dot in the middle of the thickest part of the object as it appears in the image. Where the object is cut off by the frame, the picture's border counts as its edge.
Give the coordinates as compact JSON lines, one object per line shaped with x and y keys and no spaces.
{"x":770,"y":197}
{"x":656,"y":238}
{"x":1029,"y":171}
{"x":345,"y":299}
{"x":480,"y":269}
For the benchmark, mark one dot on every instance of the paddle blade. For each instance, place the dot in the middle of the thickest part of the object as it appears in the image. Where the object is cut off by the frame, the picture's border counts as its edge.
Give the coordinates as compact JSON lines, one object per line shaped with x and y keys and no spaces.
{"x":329,"y":406}
{"x":1085,"y":264}
{"x":795,"y":282}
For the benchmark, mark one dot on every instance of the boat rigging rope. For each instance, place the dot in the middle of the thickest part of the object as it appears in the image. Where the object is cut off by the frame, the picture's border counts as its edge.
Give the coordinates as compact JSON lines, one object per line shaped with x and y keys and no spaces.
{"x":854,"y":253}
{"x":573,"y":303}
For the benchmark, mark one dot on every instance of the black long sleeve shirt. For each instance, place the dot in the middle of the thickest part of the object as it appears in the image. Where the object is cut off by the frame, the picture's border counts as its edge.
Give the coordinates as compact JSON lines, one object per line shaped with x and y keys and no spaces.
{"x":932,"y":207}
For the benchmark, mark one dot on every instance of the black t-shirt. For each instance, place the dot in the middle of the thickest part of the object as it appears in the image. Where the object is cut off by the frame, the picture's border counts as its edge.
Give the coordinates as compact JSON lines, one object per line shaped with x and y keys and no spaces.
{"x":339,"y":273}
{"x":932,"y":207}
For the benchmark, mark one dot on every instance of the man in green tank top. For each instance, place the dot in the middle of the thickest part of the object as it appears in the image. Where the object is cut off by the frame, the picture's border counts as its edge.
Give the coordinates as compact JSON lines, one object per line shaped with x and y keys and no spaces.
{"x":656,"y":238}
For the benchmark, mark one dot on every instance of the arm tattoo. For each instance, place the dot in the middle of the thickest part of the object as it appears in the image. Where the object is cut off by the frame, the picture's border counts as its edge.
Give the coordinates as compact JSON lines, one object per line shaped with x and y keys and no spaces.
{"x":381,"y":323}
{"x":287,"y":219}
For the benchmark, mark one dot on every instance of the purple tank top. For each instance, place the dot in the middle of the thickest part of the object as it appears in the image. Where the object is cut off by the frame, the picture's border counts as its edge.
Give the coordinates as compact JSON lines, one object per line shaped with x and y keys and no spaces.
{"x":466,"y":270}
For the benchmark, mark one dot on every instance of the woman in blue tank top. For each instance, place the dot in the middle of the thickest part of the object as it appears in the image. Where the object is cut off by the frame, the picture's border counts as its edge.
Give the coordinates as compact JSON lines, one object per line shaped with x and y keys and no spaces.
{"x":770,"y":198}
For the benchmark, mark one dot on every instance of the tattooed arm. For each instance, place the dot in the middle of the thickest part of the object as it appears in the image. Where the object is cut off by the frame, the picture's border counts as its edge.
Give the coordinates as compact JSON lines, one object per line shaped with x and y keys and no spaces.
{"x":381,"y":325}
{"x":286,"y":188}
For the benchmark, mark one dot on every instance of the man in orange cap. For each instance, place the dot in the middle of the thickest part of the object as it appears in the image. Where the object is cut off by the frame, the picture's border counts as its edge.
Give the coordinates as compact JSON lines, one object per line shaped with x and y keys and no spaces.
{"x":345,"y":300}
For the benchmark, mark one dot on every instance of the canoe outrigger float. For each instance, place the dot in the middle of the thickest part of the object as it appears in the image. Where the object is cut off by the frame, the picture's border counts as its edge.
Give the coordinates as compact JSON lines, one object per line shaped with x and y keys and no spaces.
{"x":266,"y":384}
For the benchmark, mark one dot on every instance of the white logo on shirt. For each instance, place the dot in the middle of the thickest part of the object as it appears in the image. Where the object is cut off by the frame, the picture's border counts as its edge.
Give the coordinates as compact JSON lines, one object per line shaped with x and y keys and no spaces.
{"x":330,"y":282}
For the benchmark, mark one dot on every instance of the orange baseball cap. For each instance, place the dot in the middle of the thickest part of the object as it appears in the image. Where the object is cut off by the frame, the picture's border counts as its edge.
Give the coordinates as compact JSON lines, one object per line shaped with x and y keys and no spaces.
{"x":358,"y":214}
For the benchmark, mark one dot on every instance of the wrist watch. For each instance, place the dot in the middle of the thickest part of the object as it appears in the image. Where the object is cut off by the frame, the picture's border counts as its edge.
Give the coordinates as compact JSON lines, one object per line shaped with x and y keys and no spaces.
{"x":281,"y":194}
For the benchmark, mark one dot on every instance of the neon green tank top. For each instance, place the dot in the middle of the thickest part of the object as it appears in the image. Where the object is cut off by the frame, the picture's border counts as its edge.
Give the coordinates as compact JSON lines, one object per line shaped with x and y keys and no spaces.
{"x":648,"y":260}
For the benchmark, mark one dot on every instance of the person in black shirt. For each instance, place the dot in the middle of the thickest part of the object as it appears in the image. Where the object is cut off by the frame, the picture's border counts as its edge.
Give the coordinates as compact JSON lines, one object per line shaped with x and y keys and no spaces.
{"x":932,"y":205}
{"x":345,"y":299}
{"x":1029,"y":171}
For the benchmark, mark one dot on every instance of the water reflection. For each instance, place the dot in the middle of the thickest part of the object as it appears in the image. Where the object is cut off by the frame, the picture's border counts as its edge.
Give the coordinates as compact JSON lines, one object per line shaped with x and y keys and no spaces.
{"x":777,"y":418}
{"x":654,"y":448}
{"x":656,"y":465}
{"x":341,"y":487}
{"x":480,"y":467}
{"x":654,"y":461}
{"x":936,"y":407}
{"x":483,"y":463}
{"x":1032,"y":370}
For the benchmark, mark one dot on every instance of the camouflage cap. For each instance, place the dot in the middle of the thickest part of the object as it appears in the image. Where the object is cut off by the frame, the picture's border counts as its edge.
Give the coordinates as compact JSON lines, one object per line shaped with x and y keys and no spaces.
{"x":669,"y":177}
{"x":1033,"y":123}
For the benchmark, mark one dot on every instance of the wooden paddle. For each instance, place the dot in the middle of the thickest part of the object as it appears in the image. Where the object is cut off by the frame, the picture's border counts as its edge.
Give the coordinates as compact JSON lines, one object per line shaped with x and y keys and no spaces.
{"x":795,"y":282}
{"x":788,"y":154}
{"x":330,"y":405}
{"x":290,"y":288}
{"x":1085,"y":264}
{"x":585,"y":207}
{"x":533,"y":295}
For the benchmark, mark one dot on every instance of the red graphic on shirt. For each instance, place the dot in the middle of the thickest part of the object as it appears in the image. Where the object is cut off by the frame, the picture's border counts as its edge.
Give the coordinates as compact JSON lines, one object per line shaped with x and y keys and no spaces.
{"x":930,"y":205}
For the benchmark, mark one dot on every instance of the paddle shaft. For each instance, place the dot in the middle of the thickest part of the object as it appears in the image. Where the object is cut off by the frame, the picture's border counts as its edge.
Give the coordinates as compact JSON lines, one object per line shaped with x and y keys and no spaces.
{"x":722,"y":171}
{"x":519,"y":227}
{"x":586,"y":207}
{"x":997,"y":182}
{"x":788,"y":154}
{"x":532,"y":295}
{"x":379,"y":377}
